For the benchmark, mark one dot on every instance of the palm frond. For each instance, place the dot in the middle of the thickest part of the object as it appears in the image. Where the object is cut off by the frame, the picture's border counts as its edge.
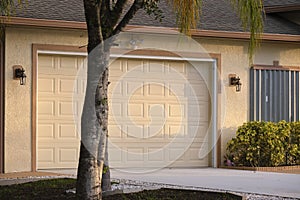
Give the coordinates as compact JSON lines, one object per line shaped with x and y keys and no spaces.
{"x":251,"y":13}
{"x":7,"y":7}
{"x":188,"y":14}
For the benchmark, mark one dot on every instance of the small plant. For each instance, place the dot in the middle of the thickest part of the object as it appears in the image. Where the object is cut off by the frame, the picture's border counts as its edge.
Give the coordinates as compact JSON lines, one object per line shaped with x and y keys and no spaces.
{"x":228,"y":160}
{"x":262,"y":144}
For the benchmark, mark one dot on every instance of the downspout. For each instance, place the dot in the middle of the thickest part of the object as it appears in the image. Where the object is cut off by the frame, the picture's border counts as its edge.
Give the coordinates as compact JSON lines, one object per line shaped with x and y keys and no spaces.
{"x":2,"y":98}
{"x":214,"y":115}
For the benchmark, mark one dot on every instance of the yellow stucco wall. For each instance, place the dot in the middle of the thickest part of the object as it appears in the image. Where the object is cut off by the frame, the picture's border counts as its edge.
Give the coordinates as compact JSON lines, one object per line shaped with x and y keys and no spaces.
{"x":234,"y":60}
{"x":18,"y":47}
{"x":235,"y":105}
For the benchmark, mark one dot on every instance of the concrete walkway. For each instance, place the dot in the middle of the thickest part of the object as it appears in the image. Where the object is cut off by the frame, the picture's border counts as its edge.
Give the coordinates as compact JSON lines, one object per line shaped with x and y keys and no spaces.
{"x":276,"y":184}
{"x":24,"y":177}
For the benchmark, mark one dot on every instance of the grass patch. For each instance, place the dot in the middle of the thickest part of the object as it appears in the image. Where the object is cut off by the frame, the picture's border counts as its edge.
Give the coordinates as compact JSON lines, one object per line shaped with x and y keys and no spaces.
{"x":55,"y":189}
{"x":44,"y":189}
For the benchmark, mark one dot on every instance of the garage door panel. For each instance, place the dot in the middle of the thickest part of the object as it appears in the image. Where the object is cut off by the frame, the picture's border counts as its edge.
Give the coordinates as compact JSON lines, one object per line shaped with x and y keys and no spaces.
{"x":54,"y":108}
{"x":68,"y":154}
{"x":116,"y":110}
{"x":153,"y":117}
{"x":67,"y":85}
{"x":137,"y":65}
{"x":155,"y":131}
{"x":46,"y":155}
{"x":116,"y":88}
{"x":197,"y":131}
{"x":46,"y":107}
{"x":135,"y":109}
{"x":178,"y":67}
{"x":156,"y":90}
{"x":115,"y":155}
{"x":176,"y":89}
{"x":46,"y":63}
{"x":68,"y":62}
{"x":60,"y":65}
{"x":177,"y":131}
{"x":174,"y":152}
{"x":198,"y":91}
{"x":135,"y":154}
{"x":115,"y":131}
{"x":58,"y":157}
{"x":176,"y":110}
{"x":134,"y":88}
{"x":116,"y":67}
{"x":135,"y":131}
{"x":65,"y":108}
{"x":68,"y":131}
{"x":156,"y":154}
{"x":46,"y":85}
{"x":46,"y":130}
{"x":204,"y":112}
{"x":156,"y":110}
{"x":60,"y":85}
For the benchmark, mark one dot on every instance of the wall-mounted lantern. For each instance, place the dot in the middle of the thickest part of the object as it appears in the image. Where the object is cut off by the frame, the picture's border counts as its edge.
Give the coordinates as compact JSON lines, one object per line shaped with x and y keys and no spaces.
{"x":234,"y":80}
{"x":19,"y":73}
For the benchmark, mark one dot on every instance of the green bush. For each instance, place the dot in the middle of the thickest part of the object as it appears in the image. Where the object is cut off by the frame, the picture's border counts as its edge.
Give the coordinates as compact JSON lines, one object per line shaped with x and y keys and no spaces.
{"x":294,"y":144}
{"x":264,"y":144}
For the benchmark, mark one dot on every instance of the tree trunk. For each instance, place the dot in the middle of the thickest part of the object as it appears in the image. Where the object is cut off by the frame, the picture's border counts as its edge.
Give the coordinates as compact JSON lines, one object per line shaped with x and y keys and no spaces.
{"x":88,"y":185}
{"x":94,"y":126}
{"x":102,"y":115}
{"x":89,"y":168}
{"x":106,"y":184}
{"x":94,"y":117}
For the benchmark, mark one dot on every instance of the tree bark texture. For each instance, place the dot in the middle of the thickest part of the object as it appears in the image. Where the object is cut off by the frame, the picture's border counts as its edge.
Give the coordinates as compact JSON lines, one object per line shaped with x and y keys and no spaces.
{"x":94,"y":127}
{"x":102,"y":24}
{"x":95,"y":110}
{"x":106,"y":184}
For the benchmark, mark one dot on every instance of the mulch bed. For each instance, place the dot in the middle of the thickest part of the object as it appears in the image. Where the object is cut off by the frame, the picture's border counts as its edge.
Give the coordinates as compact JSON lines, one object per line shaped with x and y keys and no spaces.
{"x":174,"y":194}
{"x":56,"y":189}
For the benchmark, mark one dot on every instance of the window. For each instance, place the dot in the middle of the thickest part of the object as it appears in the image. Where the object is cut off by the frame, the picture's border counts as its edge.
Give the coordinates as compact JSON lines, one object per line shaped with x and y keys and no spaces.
{"x":274,"y":93}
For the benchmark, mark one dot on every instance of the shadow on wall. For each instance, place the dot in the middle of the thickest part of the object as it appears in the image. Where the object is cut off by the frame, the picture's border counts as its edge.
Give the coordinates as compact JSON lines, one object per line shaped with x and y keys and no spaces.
{"x":227,"y":134}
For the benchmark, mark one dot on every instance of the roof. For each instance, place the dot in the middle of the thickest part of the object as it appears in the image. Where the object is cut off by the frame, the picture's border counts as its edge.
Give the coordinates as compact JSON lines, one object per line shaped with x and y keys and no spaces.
{"x":216,"y":15}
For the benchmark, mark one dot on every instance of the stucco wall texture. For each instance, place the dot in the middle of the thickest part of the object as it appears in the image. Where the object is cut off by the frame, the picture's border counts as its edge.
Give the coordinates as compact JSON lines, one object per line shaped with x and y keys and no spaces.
{"x":18,"y":99}
{"x":234,"y":60}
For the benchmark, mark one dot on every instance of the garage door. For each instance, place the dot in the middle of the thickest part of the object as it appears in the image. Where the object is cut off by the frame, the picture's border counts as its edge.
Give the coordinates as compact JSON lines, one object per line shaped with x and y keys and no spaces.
{"x":159,"y":112}
{"x":57,"y":136}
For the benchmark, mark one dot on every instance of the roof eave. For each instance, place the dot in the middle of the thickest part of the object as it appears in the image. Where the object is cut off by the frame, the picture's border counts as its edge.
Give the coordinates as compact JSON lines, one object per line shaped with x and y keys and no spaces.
{"x":277,"y":9}
{"x":42,"y":22}
{"x":144,"y":29}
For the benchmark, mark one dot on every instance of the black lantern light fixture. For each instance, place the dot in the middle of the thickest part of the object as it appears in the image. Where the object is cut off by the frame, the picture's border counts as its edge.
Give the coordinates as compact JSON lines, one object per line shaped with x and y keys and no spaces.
{"x":19,"y":73}
{"x":234,"y":80}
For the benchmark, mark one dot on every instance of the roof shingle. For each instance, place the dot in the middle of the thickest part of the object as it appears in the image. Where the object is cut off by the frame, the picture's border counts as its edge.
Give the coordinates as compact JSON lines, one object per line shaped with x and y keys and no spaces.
{"x":216,"y":15}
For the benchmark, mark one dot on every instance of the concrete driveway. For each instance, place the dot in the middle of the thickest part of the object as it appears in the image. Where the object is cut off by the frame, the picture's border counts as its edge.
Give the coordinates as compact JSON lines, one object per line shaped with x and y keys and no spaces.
{"x":278,"y":184}
{"x":267,"y":183}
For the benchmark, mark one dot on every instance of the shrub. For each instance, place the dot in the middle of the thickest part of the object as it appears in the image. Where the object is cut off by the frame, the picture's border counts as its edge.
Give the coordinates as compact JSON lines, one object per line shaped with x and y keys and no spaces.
{"x":265,"y":144}
{"x":294,"y":145}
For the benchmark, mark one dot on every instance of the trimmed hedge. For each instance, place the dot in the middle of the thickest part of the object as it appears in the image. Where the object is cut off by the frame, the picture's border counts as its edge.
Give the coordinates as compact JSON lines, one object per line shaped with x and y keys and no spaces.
{"x":265,"y":144}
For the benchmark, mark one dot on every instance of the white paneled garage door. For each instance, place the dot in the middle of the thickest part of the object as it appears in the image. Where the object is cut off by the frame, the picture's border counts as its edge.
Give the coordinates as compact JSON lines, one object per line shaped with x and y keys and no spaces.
{"x":57,"y":136}
{"x":159,"y":112}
